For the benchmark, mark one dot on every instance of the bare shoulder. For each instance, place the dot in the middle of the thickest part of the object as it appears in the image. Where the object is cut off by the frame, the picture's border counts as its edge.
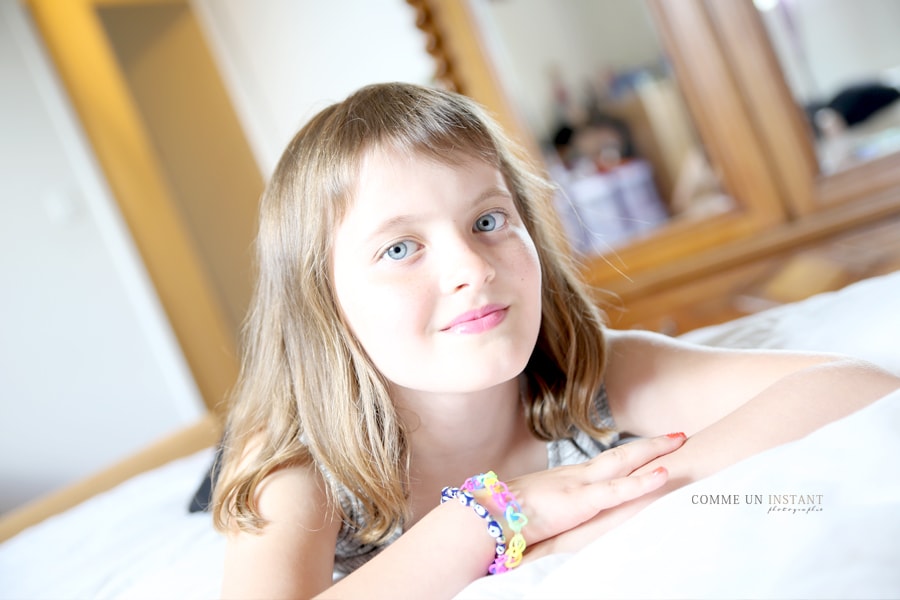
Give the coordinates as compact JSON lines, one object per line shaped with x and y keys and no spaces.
{"x":621,"y":342}
{"x":637,"y":354}
{"x":289,"y":557}
{"x":657,"y":383}
{"x":645,"y":359}
{"x":643,"y":366}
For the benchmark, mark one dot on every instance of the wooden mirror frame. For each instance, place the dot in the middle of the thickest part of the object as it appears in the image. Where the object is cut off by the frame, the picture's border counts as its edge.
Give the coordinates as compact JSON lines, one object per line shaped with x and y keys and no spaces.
{"x":749,"y":125}
{"x":79,"y":47}
{"x":786,"y":136}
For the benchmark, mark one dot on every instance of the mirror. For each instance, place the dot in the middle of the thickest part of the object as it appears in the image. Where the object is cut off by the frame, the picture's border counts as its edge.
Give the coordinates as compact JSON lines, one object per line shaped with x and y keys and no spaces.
{"x":594,"y":87}
{"x":842,"y":63}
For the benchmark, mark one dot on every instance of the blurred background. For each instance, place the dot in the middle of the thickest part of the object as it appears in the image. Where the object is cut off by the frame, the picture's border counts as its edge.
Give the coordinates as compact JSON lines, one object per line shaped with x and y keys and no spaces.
{"x":191,"y":105}
{"x":713,"y":158}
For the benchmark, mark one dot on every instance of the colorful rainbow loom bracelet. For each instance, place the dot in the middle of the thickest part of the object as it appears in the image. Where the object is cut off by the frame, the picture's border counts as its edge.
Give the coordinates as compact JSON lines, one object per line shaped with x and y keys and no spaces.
{"x":514,"y":518}
{"x":508,"y":556}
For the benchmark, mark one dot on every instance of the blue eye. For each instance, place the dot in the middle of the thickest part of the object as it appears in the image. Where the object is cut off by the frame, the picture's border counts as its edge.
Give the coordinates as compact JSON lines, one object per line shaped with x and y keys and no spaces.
{"x":490,"y":221}
{"x":400,"y":250}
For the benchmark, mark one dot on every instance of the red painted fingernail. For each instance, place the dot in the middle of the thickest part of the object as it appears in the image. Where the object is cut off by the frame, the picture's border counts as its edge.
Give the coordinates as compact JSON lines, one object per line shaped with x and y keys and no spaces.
{"x":678,"y":435}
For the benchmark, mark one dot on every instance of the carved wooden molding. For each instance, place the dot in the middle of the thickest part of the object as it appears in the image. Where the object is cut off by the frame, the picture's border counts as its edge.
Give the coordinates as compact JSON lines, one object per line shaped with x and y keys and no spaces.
{"x":435,"y":45}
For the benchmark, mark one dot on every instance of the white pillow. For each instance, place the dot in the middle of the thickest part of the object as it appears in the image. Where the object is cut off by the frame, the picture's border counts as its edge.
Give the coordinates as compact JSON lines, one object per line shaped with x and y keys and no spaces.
{"x":861,"y":320}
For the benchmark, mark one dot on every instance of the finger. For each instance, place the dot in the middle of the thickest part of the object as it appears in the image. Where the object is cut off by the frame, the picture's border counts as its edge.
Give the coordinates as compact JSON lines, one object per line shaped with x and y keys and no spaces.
{"x":607,"y":494}
{"x":590,"y":500}
{"x":572,"y":504}
{"x":625,"y":459}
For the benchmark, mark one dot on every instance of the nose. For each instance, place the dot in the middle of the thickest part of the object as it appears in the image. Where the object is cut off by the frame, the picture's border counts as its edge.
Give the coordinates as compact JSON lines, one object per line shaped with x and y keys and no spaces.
{"x":464,"y":264}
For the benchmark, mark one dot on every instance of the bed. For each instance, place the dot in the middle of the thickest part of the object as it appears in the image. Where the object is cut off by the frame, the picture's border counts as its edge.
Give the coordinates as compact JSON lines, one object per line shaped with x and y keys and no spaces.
{"x":819,"y":517}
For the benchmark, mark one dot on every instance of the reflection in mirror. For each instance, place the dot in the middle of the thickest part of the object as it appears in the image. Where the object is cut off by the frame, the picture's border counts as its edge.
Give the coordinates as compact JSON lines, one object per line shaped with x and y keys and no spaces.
{"x":842,"y":62}
{"x":594,"y":87}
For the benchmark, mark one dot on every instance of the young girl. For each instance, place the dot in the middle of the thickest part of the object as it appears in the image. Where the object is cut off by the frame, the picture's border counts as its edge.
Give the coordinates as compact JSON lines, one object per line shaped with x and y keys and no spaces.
{"x":418,"y":323}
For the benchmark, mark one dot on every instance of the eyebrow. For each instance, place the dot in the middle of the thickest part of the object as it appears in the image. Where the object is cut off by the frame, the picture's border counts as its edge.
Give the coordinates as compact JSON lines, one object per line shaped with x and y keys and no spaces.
{"x":400,"y":221}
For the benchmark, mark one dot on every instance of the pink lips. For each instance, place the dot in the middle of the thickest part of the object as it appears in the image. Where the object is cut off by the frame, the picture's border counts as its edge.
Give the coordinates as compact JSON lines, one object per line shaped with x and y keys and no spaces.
{"x":479,"y":320}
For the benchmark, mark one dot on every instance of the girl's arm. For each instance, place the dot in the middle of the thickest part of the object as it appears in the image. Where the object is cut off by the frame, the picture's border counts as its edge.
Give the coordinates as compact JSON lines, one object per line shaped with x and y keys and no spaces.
{"x":656,"y":383}
{"x":450,"y":547}
{"x":443,"y":552}
{"x":766,"y":398}
{"x":293,"y":557}
{"x":734,"y":404}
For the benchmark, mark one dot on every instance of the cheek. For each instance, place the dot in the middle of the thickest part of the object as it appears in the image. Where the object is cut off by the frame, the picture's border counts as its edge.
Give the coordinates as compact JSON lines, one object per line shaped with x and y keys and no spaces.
{"x":527,"y":263}
{"x":392,"y":331}
{"x":384,"y":318}
{"x":352,"y":298}
{"x":529,"y":268}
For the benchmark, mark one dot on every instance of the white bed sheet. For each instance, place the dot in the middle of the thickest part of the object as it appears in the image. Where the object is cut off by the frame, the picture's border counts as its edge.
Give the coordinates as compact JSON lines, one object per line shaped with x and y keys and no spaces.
{"x":846,"y":546}
{"x":135,"y":541}
{"x":861,"y":320}
{"x":138,"y":541}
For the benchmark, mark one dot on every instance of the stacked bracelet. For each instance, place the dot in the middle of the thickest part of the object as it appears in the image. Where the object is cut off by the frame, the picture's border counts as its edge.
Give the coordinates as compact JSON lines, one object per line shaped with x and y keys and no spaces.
{"x":493,"y":527}
{"x":514,"y":518}
{"x":507,"y":556}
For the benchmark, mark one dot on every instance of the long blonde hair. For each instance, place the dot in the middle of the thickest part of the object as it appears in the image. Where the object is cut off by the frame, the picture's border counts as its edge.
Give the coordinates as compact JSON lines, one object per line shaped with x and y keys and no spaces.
{"x":308,"y":393}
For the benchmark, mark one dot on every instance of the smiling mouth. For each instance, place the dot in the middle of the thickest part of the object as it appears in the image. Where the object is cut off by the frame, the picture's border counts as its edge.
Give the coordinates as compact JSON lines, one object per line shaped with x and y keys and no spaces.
{"x":478,"y":321}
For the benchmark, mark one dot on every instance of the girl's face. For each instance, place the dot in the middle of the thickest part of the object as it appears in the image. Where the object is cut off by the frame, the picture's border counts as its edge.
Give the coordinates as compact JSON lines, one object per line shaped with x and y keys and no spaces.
{"x":437,"y":275}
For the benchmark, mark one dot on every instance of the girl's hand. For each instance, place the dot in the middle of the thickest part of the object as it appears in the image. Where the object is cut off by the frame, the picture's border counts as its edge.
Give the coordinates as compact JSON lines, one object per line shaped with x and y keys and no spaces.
{"x":560,"y":499}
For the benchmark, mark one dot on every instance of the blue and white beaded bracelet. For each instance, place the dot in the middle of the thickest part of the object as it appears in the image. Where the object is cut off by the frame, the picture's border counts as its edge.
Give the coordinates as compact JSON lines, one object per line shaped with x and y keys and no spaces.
{"x":494,"y":529}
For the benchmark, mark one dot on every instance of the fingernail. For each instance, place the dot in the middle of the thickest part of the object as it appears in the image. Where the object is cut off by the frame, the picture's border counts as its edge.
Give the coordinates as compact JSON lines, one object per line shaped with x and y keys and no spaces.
{"x":658,"y":471}
{"x":678,"y":435}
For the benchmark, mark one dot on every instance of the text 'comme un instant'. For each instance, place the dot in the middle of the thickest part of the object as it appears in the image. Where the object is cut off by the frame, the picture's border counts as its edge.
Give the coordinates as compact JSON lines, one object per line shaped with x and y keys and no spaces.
{"x":785,"y":503}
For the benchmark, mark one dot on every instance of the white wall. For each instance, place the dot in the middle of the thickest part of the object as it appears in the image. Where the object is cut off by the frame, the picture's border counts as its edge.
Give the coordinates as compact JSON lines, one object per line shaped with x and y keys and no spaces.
{"x":824,"y":45}
{"x":284,"y":60}
{"x":89,"y":368}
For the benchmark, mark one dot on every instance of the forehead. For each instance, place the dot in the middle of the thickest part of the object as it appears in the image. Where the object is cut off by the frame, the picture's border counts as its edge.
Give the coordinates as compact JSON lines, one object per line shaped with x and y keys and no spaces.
{"x":389,"y":178}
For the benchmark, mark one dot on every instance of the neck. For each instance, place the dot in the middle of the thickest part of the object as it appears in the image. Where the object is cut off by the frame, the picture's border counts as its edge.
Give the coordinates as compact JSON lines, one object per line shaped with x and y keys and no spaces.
{"x":455,"y":436}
